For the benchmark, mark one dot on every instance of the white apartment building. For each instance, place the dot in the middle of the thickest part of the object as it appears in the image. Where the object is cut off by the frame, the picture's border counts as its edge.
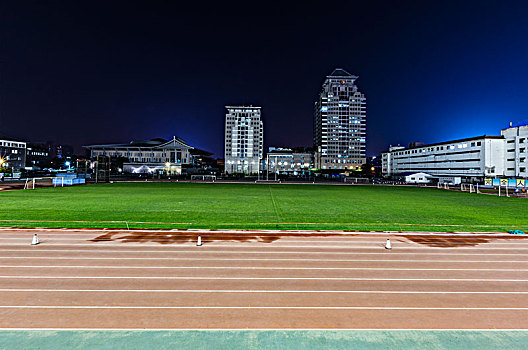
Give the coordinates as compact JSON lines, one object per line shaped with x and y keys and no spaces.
{"x":244,"y":139}
{"x":516,"y":151}
{"x":472,"y":158}
{"x":340,"y":123}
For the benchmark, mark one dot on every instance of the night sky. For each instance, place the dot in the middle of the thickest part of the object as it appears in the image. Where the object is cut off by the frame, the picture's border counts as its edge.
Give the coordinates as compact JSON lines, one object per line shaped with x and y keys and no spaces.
{"x":79,"y":72}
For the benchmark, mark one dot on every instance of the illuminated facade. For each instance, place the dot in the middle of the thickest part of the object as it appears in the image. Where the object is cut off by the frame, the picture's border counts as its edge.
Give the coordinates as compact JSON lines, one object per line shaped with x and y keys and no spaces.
{"x":340,"y":123}
{"x":504,"y":156}
{"x":287,"y":161}
{"x":12,"y":154}
{"x":148,"y":156}
{"x":244,"y":140}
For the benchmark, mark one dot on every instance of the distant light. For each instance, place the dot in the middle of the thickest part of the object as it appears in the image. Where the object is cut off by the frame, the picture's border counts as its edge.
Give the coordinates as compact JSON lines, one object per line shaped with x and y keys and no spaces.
{"x":67,"y":164}
{"x":167,"y":164}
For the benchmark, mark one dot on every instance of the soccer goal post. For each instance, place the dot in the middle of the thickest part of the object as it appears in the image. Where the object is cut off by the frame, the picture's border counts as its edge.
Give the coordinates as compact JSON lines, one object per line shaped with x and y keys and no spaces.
{"x":34,"y":182}
{"x":211,"y":178}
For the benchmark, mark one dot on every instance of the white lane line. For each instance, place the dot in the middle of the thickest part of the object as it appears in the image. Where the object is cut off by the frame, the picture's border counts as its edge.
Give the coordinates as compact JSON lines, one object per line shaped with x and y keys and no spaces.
{"x":265,"y":278}
{"x":286,"y":330}
{"x":255,"y":268}
{"x":250,"y":239}
{"x":262,"y":259}
{"x":252,"y":291}
{"x":321,"y":247}
{"x":200,"y":250}
{"x":258,"y":240}
{"x":274,"y":232}
{"x":261,"y":307}
{"x":276,"y":246}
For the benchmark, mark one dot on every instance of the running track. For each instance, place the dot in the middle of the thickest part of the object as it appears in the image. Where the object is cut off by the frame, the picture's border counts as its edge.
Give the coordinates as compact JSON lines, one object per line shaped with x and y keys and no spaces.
{"x":261,"y":280}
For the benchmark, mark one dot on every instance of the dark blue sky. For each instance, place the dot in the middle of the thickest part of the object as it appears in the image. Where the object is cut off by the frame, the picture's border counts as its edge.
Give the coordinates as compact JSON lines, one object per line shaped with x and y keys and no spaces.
{"x":99,"y":72}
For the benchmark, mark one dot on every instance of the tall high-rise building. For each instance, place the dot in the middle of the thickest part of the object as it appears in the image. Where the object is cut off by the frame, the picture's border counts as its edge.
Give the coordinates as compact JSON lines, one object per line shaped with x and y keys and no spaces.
{"x":340,"y":123}
{"x":244,"y":139}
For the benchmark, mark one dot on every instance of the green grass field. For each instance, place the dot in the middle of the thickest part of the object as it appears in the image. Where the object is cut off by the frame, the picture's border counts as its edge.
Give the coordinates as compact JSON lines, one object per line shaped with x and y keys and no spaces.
{"x":251,"y":206}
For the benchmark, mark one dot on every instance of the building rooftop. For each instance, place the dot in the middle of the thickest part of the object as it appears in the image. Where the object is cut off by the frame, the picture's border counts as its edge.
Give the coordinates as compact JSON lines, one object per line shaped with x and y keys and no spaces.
{"x":243,"y":107}
{"x":341,"y":73}
{"x":5,"y":138}
{"x":153,"y":143}
{"x":521,"y":124}
{"x":448,"y":142}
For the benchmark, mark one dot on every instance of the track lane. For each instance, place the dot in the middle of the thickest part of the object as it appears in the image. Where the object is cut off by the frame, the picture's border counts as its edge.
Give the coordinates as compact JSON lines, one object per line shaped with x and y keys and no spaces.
{"x":132,"y":262}
{"x":321,"y":282}
{"x":260,"y":318}
{"x":260,"y":299}
{"x":245,"y":272}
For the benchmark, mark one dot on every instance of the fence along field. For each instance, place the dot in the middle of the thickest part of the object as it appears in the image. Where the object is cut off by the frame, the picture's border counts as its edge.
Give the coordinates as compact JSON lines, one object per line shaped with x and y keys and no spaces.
{"x":261,"y":206}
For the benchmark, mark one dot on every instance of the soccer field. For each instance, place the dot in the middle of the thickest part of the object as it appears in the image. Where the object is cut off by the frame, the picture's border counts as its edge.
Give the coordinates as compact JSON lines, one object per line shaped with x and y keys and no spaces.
{"x":261,"y":206}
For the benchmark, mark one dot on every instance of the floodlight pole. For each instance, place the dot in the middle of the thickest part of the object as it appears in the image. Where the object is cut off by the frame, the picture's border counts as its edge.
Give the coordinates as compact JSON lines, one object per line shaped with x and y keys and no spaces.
{"x":267,"y":167}
{"x":258,"y":169}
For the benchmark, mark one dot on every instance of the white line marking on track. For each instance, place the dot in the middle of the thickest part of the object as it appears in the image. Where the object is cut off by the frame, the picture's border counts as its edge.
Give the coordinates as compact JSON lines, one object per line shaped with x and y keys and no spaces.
{"x":265,"y":278}
{"x":200,"y":250}
{"x":256,"y":240}
{"x":289,"y":330}
{"x":254,"y":291}
{"x":259,"y":307}
{"x":255,"y":268}
{"x":262,"y":259}
{"x":277,"y":232}
{"x":277,"y":246}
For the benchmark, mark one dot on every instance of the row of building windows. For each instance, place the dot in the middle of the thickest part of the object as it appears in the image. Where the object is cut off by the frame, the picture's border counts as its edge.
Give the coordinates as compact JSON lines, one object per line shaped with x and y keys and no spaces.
{"x":439,"y":148}
{"x":339,"y":161}
{"x":12,"y":144}
{"x":438,"y":161}
{"x":435,"y":155}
